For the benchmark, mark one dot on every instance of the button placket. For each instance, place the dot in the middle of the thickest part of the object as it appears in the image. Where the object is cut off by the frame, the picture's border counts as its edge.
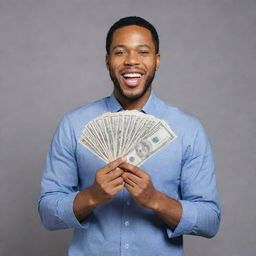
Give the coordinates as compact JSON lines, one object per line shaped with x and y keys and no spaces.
{"x":126,"y":225}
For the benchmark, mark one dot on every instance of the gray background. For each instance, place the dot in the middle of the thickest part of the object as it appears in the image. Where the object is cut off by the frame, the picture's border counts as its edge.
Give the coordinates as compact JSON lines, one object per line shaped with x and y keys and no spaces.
{"x":52,"y":60}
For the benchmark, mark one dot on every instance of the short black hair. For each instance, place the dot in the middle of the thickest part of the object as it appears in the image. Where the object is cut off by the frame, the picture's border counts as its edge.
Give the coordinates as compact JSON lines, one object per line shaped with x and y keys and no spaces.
{"x":128,"y":21}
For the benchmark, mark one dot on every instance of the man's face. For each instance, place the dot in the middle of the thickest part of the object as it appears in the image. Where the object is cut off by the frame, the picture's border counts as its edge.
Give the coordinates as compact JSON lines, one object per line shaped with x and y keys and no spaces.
{"x":132,"y":61}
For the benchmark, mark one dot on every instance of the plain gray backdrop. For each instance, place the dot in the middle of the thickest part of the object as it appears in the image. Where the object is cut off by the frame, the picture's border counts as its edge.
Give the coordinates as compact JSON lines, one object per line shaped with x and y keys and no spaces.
{"x":52,"y":60}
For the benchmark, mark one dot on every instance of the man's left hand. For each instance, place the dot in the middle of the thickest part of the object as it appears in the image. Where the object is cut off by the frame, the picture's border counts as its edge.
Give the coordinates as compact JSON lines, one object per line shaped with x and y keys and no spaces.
{"x":139,"y":184}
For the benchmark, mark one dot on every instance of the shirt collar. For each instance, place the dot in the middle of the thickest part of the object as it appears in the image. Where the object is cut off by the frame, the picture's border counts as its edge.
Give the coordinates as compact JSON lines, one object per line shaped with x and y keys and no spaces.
{"x":113,"y":104}
{"x":148,"y":108}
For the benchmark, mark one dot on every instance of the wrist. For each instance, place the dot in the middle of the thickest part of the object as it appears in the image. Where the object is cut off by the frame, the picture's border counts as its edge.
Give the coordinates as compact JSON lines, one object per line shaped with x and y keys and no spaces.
{"x":93,"y":200}
{"x":155,"y":202}
{"x":84,"y":204}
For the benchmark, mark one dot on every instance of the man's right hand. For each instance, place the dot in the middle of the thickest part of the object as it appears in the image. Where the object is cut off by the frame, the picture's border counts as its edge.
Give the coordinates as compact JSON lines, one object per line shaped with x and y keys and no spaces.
{"x":107,"y":183}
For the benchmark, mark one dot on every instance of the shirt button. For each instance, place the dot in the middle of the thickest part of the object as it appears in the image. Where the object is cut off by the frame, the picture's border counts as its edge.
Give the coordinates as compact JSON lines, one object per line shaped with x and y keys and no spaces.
{"x":126,"y":246}
{"x":126,"y":223}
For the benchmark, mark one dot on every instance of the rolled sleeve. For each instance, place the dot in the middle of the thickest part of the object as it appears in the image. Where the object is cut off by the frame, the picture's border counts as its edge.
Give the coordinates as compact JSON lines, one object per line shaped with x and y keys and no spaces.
{"x":59,"y":185}
{"x":66,"y":213}
{"x":199,"y":195}
{"x":187,"y":222}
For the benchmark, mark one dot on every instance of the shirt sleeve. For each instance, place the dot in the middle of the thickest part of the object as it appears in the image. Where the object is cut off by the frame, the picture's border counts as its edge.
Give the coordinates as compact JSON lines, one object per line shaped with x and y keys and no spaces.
{"x":59,"y":185}
{"x":199,"y":195}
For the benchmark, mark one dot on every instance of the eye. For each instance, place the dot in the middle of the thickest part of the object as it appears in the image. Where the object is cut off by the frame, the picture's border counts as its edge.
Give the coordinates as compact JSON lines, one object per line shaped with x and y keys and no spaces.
{"x":119,"y":52}
{"x":143,"y":52}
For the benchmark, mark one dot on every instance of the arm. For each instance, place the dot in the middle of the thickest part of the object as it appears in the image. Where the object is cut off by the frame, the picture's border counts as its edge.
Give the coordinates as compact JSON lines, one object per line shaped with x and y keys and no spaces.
{"x":59,"y":184}
{"x":139,"y":184}
{"x":107,"y":183}
{"x":199,"y":194}
{"x":198,"y":212}
{"x":61,"y":205}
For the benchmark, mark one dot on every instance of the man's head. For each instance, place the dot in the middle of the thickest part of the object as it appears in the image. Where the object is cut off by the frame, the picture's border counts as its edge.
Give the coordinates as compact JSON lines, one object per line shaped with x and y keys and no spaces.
{"x":129,"y":21}
{"x":132,"y":58}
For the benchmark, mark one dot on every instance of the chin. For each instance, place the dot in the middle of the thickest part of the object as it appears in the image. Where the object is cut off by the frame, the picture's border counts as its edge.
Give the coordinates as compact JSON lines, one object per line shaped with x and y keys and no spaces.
{"x":132,"y":95}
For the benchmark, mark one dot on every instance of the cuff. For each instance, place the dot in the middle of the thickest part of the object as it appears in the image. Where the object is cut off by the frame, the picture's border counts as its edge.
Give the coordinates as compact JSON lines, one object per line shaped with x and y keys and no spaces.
{"x":187,"y":221}
{"x":66,"y":213}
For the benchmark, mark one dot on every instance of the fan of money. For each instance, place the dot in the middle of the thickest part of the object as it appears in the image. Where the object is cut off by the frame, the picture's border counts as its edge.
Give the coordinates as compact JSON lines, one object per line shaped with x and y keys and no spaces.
{"x":130,"y":133}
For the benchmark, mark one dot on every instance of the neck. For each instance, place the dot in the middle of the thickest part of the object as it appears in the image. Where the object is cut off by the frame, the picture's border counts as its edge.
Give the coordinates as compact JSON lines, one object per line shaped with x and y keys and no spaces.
{"x":137,"y":104}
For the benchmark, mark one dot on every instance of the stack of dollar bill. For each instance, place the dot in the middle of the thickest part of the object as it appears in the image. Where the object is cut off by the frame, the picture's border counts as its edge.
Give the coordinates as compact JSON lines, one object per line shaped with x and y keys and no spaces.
{"x":131,"y":134}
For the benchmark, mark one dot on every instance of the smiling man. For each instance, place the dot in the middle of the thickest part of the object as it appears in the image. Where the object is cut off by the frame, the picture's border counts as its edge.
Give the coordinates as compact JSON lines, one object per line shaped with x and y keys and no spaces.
{"x":118,"y":208}
{"x":132,"y":61}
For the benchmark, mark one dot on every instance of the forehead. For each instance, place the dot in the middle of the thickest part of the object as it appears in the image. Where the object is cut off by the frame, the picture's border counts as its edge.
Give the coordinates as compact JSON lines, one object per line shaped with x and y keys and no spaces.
{"x":131,"y":36}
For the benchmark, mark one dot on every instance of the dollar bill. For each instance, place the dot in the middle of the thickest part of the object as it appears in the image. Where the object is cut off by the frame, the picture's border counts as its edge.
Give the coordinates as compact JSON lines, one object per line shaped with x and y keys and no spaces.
{"x":149,"y":145}
{"x":132,"y":134}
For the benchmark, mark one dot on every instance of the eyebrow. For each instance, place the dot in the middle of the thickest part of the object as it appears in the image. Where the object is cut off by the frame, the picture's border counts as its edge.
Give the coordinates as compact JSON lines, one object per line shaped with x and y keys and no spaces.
{"x":144,"y":45}
{"x":123,"y":46}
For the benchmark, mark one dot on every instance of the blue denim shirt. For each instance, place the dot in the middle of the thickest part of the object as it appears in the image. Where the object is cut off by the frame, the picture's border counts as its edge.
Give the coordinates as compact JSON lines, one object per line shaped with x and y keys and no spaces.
{"x":183,"y":170}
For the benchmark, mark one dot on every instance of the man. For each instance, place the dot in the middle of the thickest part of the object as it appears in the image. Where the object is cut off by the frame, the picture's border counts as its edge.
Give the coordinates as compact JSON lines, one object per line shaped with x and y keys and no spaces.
{"x":118,"y":208}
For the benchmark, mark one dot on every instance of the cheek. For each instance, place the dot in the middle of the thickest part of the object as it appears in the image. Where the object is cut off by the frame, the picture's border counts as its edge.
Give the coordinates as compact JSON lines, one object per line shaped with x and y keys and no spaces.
{"x":150,"y":64}
{"x":113,"y":69}
{"x":116,"y":62}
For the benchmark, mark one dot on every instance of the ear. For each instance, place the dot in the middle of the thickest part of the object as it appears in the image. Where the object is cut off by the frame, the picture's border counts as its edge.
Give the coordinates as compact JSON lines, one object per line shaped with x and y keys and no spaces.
{"x":107,"y":61}
{"x":157,"y":61}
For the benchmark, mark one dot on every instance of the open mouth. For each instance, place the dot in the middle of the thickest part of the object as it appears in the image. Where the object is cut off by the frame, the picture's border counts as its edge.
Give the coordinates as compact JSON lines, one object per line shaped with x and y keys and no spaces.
{"x":132,"y":79}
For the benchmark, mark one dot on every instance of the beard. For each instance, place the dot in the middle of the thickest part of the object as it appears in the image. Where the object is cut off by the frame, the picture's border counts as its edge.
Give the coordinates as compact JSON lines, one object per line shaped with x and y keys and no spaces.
{"x":133,"y":97}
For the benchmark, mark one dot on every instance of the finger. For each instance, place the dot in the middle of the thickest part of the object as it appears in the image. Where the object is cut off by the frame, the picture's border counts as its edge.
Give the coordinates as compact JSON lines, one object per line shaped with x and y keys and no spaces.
{"x":108,"y":177}
{"x":131,"y":178}
{"x":112,"y":175}
{"x":119,"y":188}
{"x":116,"y":182}
{"x":133,"y":169}
{"x":116,"y":172}
{"x":129,"y":188}
{"x":112,"y":165}
{"x":130,"y":182}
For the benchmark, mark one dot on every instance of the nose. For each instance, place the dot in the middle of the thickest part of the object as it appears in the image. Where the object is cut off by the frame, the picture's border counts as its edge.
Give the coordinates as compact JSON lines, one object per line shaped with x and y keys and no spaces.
{"x":131,"y":59}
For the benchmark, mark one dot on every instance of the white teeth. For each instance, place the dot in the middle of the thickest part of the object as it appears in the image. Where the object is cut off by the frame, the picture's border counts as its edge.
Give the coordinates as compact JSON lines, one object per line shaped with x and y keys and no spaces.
{"x":132,"y":75}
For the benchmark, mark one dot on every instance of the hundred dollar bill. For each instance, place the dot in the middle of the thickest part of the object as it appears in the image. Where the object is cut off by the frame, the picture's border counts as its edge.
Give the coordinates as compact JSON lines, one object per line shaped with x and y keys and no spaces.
{"x":150,"y":144}
{"x":132,"y":134}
